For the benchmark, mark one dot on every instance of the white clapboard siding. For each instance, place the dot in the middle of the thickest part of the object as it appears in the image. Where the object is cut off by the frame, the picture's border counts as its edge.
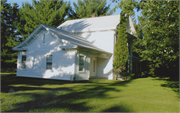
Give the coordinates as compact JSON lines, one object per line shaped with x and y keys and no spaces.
{"x":63,"y":61}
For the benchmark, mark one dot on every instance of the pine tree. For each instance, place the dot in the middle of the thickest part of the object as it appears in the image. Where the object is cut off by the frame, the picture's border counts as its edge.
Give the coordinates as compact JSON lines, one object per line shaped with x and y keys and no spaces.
{"x":121,"y":52}
{"x":87,"y":8}
{"x":9,"y":38}
{"x":51,"y":13}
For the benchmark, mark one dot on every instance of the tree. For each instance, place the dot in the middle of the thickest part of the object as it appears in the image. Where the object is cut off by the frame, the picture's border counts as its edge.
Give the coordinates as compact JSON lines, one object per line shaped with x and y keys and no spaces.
{"x":9,"y":38}
{"x":160,"y":27}
{"x":87,"y":8}
{"x":121,"y":52}
{"x":51,"y":13}
{"x":127,"y":6}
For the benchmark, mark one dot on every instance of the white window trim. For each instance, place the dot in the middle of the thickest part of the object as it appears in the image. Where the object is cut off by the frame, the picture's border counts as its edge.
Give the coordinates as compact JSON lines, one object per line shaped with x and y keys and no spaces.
{"x":44,"y":38}
{"x":23,"y":53}
{"x":51,"y":62}
{"x":84,"y":59}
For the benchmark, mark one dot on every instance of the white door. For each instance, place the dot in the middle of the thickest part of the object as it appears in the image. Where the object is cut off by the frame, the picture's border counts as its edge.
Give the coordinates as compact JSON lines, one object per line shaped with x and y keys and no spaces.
{"x":93,"y":66}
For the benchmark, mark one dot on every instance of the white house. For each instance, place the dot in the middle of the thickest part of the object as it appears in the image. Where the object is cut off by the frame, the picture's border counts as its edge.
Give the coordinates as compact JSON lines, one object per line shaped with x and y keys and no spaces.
{"x":75,"y":50}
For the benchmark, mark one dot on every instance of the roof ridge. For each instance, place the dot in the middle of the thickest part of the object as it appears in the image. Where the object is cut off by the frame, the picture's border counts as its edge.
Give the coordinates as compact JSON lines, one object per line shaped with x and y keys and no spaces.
{"x":92,"y":17}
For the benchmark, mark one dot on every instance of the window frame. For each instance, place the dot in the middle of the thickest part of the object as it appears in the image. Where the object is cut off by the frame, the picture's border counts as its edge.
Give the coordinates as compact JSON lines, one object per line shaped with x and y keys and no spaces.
{"x":83,"y":63}
{"x":23,"y":62}
{"x":44,"y":39}
{"x":49,"y":61}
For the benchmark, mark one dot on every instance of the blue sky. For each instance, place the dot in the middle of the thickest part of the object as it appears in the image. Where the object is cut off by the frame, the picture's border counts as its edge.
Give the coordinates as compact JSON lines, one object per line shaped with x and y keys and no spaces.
{"x":19,"y":2}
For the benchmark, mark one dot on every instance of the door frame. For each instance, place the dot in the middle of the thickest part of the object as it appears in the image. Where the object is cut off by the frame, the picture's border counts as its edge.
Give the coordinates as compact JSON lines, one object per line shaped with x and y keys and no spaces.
{"x":93,"y":66}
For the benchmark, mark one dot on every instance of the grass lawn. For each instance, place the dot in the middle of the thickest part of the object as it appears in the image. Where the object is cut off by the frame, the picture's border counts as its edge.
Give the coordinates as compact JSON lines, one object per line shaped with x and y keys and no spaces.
{"x":39,"y":95}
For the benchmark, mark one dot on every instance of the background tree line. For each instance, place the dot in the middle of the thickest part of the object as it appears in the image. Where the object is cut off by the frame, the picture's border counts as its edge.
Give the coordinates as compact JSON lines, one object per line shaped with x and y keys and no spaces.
{"x":157,"y":30}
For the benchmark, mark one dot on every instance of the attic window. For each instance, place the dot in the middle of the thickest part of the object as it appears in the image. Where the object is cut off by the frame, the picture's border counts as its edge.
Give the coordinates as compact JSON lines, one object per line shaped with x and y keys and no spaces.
{"x":44,"y":38}
{"x":23,"y":62}
{"x":49,"y":62}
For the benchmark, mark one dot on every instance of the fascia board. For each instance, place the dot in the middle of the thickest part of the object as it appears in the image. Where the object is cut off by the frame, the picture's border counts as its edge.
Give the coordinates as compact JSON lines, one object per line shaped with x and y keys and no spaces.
{"x":30,"y":36}
{"x":94,"y":50}
{"x":132,"y":25}
{"x":53,"y":34}
{"x":20,"y":49}
{"x":131,"y":36}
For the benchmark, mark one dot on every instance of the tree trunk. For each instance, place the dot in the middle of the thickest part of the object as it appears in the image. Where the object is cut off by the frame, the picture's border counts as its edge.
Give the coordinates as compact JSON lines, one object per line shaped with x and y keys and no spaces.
{"x":115,"y":77}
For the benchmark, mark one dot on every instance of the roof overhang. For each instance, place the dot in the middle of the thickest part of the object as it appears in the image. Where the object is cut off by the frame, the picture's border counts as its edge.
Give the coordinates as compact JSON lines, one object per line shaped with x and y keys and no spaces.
{"x":20,"y":49}
{"x":23,"y":45}
{"x":98,"y":53}
{"x":102,"y":54}
{"x":66,"y":47}
{"x":130,"y":36}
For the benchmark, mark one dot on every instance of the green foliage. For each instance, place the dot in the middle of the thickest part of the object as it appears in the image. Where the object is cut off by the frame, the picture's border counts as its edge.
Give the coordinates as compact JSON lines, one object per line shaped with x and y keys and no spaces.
{"x":137,"y":44}
{"x":47,"y":12}
{"x":9,"y":38}
{"x":158,"y":33}
{"x":121,"y":48}
{"x":126,"y":6}
{"x":87,"y":8}
{"x":160,"y":27}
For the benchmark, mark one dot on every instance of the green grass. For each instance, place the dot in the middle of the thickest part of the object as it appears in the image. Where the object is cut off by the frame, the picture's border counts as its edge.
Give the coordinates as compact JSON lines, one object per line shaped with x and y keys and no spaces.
{"x":39,"y":95}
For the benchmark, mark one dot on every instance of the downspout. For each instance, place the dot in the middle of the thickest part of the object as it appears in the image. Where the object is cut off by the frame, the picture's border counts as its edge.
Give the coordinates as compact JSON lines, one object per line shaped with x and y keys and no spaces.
{"x":75,"y":61}
{"x":115,"y":34}
{"x":130,"y":55}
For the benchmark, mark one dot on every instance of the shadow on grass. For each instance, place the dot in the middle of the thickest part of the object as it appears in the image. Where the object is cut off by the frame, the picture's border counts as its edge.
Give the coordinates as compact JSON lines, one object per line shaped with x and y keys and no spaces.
{"x":43,"y":103}
{"x":11,"y":79}
{"x":116,"y":108}
{"x":174,"y":85}
{"x":72,"y":100}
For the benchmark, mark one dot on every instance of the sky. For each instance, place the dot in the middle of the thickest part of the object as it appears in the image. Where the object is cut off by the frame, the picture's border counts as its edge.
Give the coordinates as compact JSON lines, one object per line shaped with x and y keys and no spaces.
{"x":19,"y":2}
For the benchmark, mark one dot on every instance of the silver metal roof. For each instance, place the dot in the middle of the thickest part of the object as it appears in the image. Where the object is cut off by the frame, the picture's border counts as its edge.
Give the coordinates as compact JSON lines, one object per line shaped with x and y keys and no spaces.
{"x":61,"y":34}
{"x":72,"y":38}
{"x":91,"y":24}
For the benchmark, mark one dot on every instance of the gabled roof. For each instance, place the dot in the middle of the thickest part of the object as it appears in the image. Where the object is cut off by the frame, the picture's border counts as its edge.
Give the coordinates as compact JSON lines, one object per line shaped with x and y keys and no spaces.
{"x":60,"y":34}
{"x":91,"y":24}
{"x":96,"y":24}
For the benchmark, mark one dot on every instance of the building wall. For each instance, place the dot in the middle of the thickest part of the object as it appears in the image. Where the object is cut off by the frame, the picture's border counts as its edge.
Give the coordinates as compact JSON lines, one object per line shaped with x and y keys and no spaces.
{"x":105,"y":41}
{"x":63,"y":61}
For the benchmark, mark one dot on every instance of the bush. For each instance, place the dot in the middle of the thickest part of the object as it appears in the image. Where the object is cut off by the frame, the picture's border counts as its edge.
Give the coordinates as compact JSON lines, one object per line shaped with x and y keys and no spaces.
{"x":8,"y":70}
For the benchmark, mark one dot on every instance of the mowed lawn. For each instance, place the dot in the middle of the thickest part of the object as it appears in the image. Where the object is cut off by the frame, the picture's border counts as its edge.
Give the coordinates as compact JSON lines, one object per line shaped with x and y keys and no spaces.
{"x":39,"y":95}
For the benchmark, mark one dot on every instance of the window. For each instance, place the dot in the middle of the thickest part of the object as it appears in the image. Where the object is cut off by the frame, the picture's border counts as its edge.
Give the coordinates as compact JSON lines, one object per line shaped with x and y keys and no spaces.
{"x":81,"y":63}
{"x":44,"y":38}
{"x":49,"y":62}
{"x":23,"y":62}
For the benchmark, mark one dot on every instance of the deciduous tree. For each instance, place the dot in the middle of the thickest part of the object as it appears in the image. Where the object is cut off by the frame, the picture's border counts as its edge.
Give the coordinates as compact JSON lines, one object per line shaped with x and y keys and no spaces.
{"x":160,"y":27}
